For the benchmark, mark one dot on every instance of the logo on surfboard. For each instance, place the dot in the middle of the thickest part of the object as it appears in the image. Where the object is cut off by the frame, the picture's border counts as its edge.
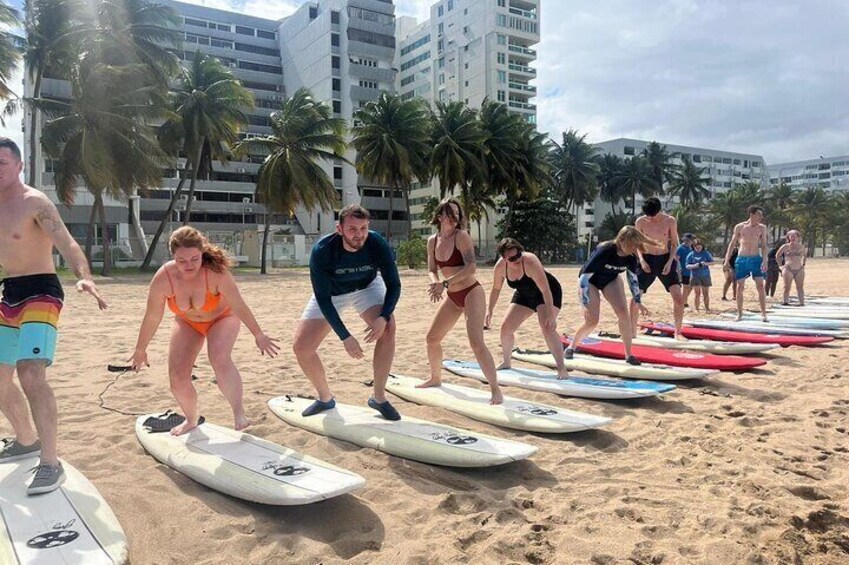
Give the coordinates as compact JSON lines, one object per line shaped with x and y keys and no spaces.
{"x":453,"y":439}
{"x":536,"y":410}
{"x":60,"y":535}
{"x":284,"y":470}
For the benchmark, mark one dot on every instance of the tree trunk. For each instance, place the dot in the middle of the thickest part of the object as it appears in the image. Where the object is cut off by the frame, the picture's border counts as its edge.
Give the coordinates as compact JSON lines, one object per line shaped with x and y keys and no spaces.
{"x":407,"y":208}
{"x":187,"y":216}
{"x":391,"y":207}
{"x":166,"y":219}
{"x":480,"y":238}
{"x":33,"y":141}
{"x":89,"y":235}
{"x":104,"y":234}
{"x":263,"y":269}
{"x":634,"y":203}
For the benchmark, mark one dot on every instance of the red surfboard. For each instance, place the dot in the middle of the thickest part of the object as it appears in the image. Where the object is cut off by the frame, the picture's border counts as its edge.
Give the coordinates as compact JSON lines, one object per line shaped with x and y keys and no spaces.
{"x":730,"y":335}
{"x":671,"y":357}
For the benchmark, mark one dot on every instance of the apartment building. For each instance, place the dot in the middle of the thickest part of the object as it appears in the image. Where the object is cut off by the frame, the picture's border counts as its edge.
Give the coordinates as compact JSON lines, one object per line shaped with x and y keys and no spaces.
{"x":344,"y":52}
{"x":830,"y":173}
{"x":467,"y":51}
{"x":724,"y":168}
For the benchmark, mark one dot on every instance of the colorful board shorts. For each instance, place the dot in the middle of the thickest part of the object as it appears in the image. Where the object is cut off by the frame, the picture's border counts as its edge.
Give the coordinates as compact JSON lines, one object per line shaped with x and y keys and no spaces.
{"x":748,"y":265}
{"x":29,"y":317}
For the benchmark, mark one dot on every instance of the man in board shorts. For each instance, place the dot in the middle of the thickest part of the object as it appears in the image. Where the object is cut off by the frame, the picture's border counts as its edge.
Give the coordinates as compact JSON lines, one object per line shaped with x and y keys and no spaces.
{"x":30,"y":226}
{"x":659,"y":262}
{"x":752,"y":260}
{"x":351,"y":268}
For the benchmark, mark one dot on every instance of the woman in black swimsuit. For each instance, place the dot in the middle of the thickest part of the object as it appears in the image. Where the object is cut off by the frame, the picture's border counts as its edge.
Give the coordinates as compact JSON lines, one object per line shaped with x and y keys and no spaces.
{"x":536,"y":290}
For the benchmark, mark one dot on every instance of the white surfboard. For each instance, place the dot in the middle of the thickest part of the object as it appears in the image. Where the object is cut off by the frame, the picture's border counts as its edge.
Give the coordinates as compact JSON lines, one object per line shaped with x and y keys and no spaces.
{"x":797,"y":321}
{"x":247,"y":467}
{"x":828,"y":300}
{"x":546,"y":381}
{"x":513,"y":413}
{"x":702,"y":346}
{"x":806,"y":312}
{"x":409,"y":438}
{"x":72,"y":525}
{"x":756,"y":326}
{"x":614,"y":367}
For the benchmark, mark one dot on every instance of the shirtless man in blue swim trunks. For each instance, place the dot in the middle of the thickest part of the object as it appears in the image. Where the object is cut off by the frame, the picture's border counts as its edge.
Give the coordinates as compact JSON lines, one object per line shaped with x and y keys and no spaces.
{"x":30,"y":226}
{"x":352,"y":268}
{"x":752,"y":259}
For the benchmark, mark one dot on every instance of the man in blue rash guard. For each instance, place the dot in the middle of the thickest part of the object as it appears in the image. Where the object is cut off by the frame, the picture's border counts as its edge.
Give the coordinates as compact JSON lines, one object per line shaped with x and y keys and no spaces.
{"x":352,"y":268}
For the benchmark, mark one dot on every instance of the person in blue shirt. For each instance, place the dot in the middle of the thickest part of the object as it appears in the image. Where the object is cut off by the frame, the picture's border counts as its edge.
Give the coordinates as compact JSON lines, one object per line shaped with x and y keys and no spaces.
{"x":351,"y":268}
{"x":697,"y":264}
{"x":681,"y":258}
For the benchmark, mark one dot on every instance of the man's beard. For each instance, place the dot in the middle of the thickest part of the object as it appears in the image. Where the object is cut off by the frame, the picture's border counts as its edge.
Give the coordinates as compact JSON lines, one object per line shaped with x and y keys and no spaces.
{"x":354,"y":244}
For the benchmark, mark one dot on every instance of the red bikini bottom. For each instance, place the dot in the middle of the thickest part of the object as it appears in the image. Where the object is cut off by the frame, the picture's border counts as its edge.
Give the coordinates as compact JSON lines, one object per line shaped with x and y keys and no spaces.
{"x":459,"y":297}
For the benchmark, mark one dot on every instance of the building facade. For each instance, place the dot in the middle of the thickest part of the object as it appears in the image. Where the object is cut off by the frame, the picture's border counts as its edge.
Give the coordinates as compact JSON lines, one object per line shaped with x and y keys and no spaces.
{"x":724,"y":168}
{"x":469,"y":50}
{"x":830,"y":173}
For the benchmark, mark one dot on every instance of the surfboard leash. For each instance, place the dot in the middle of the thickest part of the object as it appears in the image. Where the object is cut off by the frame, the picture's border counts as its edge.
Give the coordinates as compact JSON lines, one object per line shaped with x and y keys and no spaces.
{"x":121,"y":370}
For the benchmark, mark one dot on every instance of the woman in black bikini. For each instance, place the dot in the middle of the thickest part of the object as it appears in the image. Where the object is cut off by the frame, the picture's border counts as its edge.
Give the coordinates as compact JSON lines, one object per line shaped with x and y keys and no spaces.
{"x":465,"y":293}
{"x":793,"y":270}
{"x":536,"y":290}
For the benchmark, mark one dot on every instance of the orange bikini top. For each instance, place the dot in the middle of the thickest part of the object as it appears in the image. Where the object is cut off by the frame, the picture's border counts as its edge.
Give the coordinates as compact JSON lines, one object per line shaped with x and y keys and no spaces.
{"x":210,"y":301}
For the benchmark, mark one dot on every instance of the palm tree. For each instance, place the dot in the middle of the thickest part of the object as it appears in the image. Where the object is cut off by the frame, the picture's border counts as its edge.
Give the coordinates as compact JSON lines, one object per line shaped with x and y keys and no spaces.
{"x":456,"y":138}
{"x":688,"y":184}
{"x":305,"y":133}
{"x":780,"y":197}
{"x":574,"y":168}
{"x":392,"y":139}
{"x":533,"y":172}
{"x":612,"y":223}
{"x":207,"y":106}
{"x":808,"y":210}
{"x":609,"y":179}
{"x":636,"y":178}
{"x":101,"y":137}
{"x":500,"y":154}
{"x":729,"y":208}
{"x":10,"y":53}
{"x":660,"y":162}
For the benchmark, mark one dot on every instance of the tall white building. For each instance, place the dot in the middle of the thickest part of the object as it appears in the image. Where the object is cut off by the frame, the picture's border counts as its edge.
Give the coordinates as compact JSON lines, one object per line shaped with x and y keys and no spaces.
{"x":467,"y":51}
{"x":344,"y":52}
{"x":724,"y":168}
{"x":830,"y":173}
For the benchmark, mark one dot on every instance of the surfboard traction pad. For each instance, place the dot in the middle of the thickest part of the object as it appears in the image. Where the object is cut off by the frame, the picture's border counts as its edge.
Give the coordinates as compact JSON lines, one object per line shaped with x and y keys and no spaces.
{"x":166,"y":421}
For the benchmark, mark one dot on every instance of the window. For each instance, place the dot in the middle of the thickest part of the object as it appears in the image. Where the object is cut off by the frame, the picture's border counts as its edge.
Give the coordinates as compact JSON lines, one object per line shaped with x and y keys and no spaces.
{"x":266,"y":34}
{"x":379,"y":39}
{"x":501,"y":20}
{"x":501,"y":3}
{"x":502,"y":77}
{"x":247,"y":65}
{"x":465,"y":29}
{"x":466,"y":84}
{"x":502,"y":39}
{"x":466,"y":66}
{"x":313,"y":12}
{"x":440,"y":63}
{"x":261,"y":86}
{"x":368,"y":84}
{"x":630,"y":150}
{"x":337,"y":84}
{"x":450,"y":5}
{"x":259,"y":121}
{"x":222,"y":27}
{"x":439,"y":11}
{"x":371,"y":16}
{"x":337,"y":106}
{"x":407,"y":80}
{"x":415,"y":45}
{"x":501,"y":58}
{"x":465,"y":11}
{"x":335,"y":62}
{"x":441,"y":78}
{"x":242,"y":30}
{"x":221,"y":43}
{"x":196,"y":23}
{"x":736,"y":161}
{"x":501,"y":96}
{"x":440,"y":28}
{"x":334,"y":39}
{"x":334,"y":17}
{"x":256,"y":49}
{"x":337,"y":173}
{"x":415,"y":61}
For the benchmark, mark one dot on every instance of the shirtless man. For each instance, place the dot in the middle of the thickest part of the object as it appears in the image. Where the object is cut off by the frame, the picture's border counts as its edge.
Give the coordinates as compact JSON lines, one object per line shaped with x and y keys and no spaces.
{"x":659,"y":262}
{"x":752,"y":259}
{"x":30,"y":227}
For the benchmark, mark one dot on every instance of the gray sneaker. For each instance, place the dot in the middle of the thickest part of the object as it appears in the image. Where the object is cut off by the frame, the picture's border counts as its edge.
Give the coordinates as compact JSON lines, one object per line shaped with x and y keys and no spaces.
{"x":13,"y":451}
{"x":47,"y":478}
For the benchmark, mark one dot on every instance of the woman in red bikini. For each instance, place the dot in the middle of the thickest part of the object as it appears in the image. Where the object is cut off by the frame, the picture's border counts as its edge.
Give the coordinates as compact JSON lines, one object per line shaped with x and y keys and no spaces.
{"x":465,"y":293}
{"x":198,"y":287}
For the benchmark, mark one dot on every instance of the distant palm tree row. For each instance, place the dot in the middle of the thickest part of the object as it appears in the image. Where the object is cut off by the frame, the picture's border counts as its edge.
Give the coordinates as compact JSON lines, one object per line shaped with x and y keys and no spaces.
{"x":133,"y":112}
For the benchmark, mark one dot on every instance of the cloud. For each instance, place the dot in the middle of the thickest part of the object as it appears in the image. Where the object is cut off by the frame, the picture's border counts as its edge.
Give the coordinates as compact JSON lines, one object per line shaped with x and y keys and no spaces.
{"x":751,"y":76}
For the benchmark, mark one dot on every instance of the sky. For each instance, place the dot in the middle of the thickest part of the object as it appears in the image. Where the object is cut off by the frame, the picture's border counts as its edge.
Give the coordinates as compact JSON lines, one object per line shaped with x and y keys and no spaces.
{"x":767,"y":77}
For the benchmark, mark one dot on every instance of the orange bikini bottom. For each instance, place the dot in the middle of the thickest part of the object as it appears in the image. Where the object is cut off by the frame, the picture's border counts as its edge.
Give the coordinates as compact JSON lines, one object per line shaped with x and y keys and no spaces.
{"x":203,"y":327}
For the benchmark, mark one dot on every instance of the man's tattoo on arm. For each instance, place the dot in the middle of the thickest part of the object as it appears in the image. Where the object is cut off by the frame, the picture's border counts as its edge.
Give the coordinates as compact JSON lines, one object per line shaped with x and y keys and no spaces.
{"x":48,"y":218}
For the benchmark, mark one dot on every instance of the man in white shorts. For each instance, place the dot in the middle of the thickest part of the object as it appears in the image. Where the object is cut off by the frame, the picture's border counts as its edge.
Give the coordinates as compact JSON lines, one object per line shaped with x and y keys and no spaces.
{"x":352,"y":268}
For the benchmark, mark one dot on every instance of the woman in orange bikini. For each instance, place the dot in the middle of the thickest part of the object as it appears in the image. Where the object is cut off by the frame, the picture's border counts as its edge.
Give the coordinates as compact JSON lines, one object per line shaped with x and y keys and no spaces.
{"x":198,"y":287}
{"x":465,"y":293}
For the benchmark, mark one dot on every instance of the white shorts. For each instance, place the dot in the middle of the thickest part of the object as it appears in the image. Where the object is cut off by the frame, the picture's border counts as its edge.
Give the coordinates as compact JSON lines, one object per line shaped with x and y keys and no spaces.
{"x":359,"y":300}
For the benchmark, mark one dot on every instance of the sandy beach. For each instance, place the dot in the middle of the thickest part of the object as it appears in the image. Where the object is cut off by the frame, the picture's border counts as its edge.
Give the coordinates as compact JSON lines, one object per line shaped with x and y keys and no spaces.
{"x":736,"y":469}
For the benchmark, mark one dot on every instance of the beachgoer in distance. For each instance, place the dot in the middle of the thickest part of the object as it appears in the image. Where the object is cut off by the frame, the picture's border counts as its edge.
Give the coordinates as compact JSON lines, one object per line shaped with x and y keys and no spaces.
{"x":465,"y":293}
{"x":30,"y":226}
{"x":535,"y":291}
{"x":199,"y":289}
{"x":698,"y":264}
{"x":658,"y":261}
{"x":600,"y":277}
{"x":728,"y":273}
{"x":773,"y":269}
{"x":681,"y":259}
{"x":794,"y":256}
{"x":752,"y":259}
{"x":352,"y":268}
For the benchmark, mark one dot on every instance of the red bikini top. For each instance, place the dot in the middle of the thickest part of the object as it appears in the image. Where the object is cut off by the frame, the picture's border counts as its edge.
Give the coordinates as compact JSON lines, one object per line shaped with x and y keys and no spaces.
{"x":455,"y":260}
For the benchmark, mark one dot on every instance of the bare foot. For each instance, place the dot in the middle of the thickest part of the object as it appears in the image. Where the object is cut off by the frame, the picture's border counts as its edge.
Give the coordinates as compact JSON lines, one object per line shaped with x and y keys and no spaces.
{"x":680,"y":337}
{"x":430,"y":383}
{"x":739,"y":317}
{"x":496,"y":398}
{"x":503,"y":365}
{"x":185,"y":427}
{"x":240,"y":423}
{"x":563,"y":375}
{"x":765,"y":319}
{"x":707,"y":310}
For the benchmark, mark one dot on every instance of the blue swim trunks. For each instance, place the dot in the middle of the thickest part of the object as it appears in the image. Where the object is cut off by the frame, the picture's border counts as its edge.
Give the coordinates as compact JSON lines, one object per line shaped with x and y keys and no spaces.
{"x":748,"y":265}
{"x":29,"y":317}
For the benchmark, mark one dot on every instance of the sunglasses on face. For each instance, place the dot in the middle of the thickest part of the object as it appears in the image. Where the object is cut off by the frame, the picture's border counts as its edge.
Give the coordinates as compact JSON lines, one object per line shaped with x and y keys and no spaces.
{"x":515,"y":257}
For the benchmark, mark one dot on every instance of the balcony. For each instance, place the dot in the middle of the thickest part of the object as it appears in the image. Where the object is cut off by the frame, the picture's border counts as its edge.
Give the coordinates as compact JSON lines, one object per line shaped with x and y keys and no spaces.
{"x":522,"y":50}
{"x":530,"y":89}
{"x":522,"y":105}
{"x":523,"y":13}
{"x":522,"y":69}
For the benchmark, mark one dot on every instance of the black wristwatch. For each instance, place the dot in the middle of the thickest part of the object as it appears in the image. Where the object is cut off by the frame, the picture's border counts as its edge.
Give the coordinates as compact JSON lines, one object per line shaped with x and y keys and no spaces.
{"x":445,"y":283}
